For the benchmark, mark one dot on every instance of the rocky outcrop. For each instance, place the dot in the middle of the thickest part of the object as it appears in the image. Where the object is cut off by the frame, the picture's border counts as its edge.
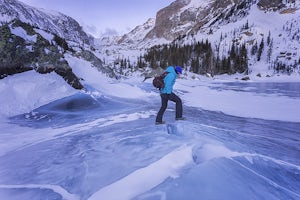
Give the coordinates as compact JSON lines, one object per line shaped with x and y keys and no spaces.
{"x":270,"y":4}
{"x":166,"y":21}
{"x":34,"y":53}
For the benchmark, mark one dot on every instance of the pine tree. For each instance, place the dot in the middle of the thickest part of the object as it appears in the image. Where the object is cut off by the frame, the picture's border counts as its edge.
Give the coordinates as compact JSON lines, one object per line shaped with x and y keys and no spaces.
{"x":260,"y":49}
{"x":195,"y":65}
{"x":233,"y":51}
{"x":270,"y":49}
{"x":254,"y":49}
{"x":246,"y":25}
{"x":244,"y":59}
{"x":269,"y":39}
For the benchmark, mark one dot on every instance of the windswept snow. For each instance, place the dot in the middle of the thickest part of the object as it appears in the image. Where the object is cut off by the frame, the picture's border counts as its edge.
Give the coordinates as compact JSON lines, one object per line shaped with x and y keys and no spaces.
{"x":146,"y":178}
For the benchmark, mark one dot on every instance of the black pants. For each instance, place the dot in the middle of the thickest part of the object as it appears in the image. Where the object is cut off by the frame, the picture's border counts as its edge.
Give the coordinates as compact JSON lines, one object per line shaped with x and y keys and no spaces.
{"x":164,"y":103}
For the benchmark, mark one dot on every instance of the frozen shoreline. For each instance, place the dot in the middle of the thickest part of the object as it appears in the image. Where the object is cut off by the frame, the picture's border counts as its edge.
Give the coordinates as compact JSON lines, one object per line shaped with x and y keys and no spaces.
{"x":27,"y":91}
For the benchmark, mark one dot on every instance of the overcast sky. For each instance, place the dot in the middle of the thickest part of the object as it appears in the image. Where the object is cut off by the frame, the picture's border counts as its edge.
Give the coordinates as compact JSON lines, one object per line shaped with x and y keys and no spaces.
{"x":103,"y":16}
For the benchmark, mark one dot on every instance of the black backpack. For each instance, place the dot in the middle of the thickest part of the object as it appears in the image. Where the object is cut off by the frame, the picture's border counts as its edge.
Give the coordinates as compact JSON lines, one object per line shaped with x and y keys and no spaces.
{"x":158,"y":81}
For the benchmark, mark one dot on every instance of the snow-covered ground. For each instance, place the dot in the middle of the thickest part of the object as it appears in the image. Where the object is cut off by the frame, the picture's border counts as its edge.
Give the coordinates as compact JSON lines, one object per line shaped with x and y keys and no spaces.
{"x":240,"y":138}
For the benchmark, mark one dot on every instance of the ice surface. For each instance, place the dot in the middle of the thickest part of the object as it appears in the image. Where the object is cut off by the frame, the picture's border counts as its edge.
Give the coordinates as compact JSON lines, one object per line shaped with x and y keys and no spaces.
{"x":95,"y":144}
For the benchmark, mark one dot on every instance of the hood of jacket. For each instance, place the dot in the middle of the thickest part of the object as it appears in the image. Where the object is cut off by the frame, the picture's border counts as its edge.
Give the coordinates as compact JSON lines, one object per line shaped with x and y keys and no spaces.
{"x":171,"y":69}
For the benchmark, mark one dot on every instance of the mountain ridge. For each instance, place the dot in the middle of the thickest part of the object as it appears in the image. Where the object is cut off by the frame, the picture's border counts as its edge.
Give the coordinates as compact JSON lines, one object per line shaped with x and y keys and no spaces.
{"x":225,"y":24}
{"x":52,"y":21}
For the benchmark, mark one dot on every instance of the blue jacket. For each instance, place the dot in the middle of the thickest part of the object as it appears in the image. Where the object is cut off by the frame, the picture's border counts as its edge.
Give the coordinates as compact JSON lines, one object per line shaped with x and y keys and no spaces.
{"x":169,"y":80}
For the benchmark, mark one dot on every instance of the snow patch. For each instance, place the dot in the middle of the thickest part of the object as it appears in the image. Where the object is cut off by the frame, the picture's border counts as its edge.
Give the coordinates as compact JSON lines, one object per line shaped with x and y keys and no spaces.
{"x":24,"y":92}
{"x":19,"y":31}
{"x":44,"y":34}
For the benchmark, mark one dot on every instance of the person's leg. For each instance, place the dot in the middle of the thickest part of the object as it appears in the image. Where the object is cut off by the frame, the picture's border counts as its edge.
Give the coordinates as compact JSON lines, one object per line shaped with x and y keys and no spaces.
{"x":173,"y":97}
{"x":164,"y":104}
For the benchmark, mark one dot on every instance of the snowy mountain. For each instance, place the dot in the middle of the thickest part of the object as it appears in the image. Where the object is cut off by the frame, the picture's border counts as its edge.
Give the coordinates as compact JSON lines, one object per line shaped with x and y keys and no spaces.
{"x":273,"y":25}
{"x":54,"y":22}
{"x":34,"y":39}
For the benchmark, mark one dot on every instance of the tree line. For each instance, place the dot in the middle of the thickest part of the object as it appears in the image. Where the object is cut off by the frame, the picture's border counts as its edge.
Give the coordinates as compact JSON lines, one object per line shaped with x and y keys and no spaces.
{"x":198,"y":57}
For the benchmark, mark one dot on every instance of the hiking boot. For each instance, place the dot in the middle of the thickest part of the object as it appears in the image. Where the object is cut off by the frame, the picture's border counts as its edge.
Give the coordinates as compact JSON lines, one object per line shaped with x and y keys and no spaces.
{"x":180,"y":118}
{"x":158,"y":123}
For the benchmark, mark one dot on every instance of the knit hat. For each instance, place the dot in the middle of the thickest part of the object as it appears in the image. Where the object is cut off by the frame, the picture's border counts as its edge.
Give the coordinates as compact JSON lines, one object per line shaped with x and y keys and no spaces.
{"x":178,"y":70}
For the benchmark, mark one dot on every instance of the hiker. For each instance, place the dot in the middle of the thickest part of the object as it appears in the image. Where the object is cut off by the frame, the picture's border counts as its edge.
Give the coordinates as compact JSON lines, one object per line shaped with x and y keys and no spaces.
{"x":166,"y":94}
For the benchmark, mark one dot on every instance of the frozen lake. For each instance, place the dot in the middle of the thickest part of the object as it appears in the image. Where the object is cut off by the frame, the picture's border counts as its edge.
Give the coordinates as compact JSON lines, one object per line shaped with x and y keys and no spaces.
{"x":102,"y":147}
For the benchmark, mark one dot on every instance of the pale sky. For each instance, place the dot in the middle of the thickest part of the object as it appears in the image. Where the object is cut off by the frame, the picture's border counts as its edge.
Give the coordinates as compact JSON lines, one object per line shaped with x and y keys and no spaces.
{"x":105,"y":16}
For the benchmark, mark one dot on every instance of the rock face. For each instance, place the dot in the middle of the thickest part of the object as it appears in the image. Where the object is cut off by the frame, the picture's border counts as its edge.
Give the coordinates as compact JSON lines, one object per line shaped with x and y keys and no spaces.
{"x":273,"y":4}
{"x":166,"y":20}
{"x":18,"y":55}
